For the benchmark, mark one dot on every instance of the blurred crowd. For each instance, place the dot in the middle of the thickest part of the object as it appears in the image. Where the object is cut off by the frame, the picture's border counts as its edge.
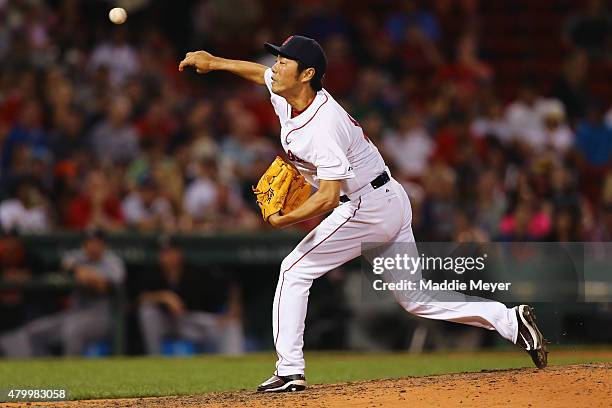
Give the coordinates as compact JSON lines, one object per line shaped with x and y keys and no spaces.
{"x":98,"y":129}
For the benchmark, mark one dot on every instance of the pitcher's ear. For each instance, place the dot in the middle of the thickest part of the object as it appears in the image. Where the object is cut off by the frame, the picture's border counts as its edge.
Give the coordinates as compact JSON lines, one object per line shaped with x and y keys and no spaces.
{"x":308,"y":74}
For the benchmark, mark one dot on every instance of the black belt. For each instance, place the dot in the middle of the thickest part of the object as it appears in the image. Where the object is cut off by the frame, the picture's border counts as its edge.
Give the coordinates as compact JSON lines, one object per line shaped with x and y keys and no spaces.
{"x":376,"y":183}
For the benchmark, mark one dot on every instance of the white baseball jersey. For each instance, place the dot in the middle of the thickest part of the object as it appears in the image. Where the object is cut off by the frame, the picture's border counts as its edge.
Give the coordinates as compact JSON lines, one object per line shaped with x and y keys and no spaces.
{"x":325,"y":142}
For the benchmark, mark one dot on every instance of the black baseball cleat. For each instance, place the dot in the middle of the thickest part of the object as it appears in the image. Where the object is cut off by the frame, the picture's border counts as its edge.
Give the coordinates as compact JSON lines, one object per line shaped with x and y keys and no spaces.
{"x":529,"y":336}
{"x":286,"y":383}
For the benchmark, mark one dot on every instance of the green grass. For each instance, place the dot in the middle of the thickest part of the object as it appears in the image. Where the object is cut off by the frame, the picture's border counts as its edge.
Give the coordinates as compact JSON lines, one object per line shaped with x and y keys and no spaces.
{"x":134,"y":377}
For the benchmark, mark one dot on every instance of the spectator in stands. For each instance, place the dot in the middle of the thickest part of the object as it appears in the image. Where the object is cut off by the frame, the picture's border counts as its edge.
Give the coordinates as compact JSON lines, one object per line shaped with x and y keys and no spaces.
{"x":146,"y":209}
{"x":491,"y":122}
{"x":552,"y":134}
{"x":117,"y":55}
{"x":28,"y":133}
{"x":522,"y":115}
{"x":524,"y":224}
{"x":528,"y":216}
{"x":594,"y":138}
{"x":27,"y":211}
{"x":594,"y":151}
{"x":157,"y":123}
{"x":114,"y":140}
{"x":452,"y":138}
{"x":231,"y":212}
{"x":58,"y":94}
{"x":468,"y":72}
{"x":151,"y":156}
{"x":97,"y":205}
{"x":170,"y":181}
{"x":410,"y":147}
{"x":98,"y":273}
{"x":95,"y":94}
{"x":204,"y":147}
{"x":243,"y":144}
{"x":200,"y":196}
{"x":196,"y":305}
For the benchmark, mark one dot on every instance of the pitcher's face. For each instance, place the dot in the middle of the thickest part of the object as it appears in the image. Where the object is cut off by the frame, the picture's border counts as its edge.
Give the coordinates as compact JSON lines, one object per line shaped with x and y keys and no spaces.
{"x":285,"y":75}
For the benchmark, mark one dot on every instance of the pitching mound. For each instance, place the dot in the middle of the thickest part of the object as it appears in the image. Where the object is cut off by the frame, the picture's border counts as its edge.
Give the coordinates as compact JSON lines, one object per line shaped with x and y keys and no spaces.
{"x":588,"y":385}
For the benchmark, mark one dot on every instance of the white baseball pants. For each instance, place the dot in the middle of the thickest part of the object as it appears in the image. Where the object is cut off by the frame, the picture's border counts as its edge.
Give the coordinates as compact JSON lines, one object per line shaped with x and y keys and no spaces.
{"x":382,"y":215}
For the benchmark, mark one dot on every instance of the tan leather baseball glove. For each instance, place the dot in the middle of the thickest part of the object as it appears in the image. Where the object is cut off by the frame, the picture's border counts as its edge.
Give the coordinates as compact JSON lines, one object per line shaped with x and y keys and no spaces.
{"x":281,"y":188}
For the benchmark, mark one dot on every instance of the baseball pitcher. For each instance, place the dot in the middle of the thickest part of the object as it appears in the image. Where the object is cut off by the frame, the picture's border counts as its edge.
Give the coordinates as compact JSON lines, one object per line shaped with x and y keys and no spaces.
{"x":330,"y":151}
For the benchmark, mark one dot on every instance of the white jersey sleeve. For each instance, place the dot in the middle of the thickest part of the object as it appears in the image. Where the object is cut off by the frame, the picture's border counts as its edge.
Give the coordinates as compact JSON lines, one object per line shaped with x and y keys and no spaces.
{"x":281,"y":107}
{"x":329,"y":155}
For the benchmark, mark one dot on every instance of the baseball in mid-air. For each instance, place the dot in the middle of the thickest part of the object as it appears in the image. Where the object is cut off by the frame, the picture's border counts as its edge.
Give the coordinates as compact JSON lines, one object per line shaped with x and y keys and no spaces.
{"x":117,"y":15}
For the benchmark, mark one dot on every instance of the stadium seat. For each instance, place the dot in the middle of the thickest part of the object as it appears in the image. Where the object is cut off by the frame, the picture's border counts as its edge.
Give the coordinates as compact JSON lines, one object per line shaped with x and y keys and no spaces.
{"x":96,"y":349}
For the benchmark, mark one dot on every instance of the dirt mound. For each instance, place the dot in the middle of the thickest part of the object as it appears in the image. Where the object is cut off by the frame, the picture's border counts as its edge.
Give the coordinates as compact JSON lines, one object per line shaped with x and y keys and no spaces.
{"x":587,"y":385}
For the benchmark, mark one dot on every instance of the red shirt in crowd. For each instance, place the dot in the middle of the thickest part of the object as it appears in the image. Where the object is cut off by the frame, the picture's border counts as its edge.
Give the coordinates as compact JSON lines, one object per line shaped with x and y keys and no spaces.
{"x":81,"y":208}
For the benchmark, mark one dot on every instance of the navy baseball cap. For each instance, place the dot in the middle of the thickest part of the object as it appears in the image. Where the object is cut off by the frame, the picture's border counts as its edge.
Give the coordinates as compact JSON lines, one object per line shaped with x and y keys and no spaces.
{"x":303,"y":49}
